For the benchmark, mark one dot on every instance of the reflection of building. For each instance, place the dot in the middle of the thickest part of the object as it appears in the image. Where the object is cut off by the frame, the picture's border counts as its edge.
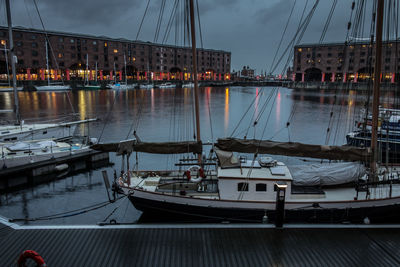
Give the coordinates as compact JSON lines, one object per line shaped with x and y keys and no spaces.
{"x":144,"y":59}
{"x":340,"y":62}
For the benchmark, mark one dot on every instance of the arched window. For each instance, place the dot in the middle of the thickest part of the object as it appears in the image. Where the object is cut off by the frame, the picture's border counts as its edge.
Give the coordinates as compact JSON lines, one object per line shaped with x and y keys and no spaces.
{"x":243,"y":187}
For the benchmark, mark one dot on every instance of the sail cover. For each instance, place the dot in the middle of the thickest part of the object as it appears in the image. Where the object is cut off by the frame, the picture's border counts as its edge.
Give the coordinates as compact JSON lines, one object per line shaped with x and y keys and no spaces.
{"x":294,"y":149}
{"x":129,"y":146}
{"x":326,"y":174}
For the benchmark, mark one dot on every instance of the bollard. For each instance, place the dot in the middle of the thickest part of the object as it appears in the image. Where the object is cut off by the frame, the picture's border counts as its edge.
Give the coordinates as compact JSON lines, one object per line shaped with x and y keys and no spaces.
{"x":280,"y":188}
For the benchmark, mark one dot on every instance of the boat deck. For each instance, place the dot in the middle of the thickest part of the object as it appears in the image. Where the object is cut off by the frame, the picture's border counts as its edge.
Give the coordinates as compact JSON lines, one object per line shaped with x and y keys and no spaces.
{"x":203,"y":245}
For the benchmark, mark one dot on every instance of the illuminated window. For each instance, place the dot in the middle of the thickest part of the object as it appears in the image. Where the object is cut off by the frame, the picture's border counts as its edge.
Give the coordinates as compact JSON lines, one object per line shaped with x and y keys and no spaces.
{"x":115,"y":50}
{"x":133,"y":59}
{"x":60,"y":55}
{"x":105,"y":44}
{"x":3,"y":42}
{"x":299,"y":49}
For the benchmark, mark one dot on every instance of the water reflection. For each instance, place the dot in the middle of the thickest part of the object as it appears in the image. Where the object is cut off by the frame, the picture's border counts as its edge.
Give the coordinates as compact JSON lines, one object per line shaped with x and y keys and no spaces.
{"x":162,"y":115}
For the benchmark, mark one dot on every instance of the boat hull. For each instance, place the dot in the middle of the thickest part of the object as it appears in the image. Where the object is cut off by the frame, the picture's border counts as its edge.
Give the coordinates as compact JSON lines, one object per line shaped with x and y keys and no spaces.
{"x":155,"y":210}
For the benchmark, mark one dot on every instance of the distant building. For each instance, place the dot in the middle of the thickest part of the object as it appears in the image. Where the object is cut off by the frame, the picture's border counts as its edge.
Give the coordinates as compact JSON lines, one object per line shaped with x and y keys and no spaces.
{"x":247,"y":72}
{"x":334,"y":62}
{"x":144,"y":60}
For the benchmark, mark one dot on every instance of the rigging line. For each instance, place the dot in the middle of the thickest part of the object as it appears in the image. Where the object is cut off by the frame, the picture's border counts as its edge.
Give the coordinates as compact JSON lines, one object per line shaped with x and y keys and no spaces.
{"x":141,"y":23}
{"x":198,"y":18}
{"x":245,"y":113}
{"x":298,"y":28}
{"x":108,"y":115}
{"x":283,"y":34}
{"x":29,"y":15}
{"x":328,"y":20}
{"x":302,"y":27}
{"x":159,"y":21}
{"x":170,"y":21}
{"x":52,"y":52}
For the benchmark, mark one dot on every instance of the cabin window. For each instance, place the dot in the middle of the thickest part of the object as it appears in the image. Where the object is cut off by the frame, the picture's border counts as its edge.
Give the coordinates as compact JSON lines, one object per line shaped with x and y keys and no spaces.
{"x":261,"y":187}
{"x":243,"y":187}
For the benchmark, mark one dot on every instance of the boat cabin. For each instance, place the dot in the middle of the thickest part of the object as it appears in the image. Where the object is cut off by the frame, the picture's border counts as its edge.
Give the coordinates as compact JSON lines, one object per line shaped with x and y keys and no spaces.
{"x":252,"y":180}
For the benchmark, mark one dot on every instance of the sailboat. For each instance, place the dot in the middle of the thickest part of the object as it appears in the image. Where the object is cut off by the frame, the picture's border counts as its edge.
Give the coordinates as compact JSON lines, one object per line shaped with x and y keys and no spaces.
{"x":122,"y":85}
{"x":86,"y":84}
{"x":20,"y":130}
{"x":51,"y":86}
{"x":261,"y":188}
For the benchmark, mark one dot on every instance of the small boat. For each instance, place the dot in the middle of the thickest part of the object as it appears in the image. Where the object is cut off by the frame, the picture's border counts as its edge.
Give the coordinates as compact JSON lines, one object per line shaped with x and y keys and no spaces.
{"x":146,"y":86}
{"x":15,"y":154}
{"x":52,"y":86}
{"x":121,"y":86}
{"x":167,"y":85}
{"x":188,"y":85}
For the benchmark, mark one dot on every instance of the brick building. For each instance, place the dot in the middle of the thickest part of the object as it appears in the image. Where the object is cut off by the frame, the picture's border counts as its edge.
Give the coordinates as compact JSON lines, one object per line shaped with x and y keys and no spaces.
{"x":334,"y":62}
{"x":144,"y":60}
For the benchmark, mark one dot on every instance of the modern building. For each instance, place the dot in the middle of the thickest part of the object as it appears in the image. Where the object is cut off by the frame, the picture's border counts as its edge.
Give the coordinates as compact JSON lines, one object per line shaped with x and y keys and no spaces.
{"x":68,"y":53}
{"x":334,"y":62}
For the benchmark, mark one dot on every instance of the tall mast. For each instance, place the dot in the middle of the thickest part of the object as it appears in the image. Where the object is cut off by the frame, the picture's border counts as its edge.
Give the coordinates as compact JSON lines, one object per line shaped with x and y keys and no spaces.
{"x":126,"y":79}
{"x":377,"y":78}
{"x":196,"y":89}
{"x":96,"y":72}
{"x":47,"y":63}
{"x":12,"y":56}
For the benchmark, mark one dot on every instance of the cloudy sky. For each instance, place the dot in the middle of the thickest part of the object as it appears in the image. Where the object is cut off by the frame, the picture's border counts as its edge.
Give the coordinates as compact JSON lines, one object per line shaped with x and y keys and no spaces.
{"x":250,"y":29}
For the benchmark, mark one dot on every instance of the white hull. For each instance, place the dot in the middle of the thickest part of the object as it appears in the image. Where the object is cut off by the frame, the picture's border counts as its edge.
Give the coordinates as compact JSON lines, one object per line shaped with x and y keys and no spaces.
{"x":146,"y":86}
{"x":53,"y":88}
{"x":122,"y":86}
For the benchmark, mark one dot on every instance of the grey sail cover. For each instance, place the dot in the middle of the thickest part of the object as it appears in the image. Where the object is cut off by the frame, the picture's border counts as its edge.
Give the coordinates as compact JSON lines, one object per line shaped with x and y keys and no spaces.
{"x":294,"y":149}
{"x":324,"y":174}
{"x":129,"y":146}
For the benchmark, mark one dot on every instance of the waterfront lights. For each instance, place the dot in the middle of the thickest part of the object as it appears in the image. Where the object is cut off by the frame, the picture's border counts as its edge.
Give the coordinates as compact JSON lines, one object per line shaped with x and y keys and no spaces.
{"x":3,"y":42}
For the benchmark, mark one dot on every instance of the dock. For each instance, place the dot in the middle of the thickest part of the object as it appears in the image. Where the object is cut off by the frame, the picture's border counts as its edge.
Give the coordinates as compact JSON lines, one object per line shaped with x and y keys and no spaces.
{"x":43,"y":171}
{"x":203,"y":245}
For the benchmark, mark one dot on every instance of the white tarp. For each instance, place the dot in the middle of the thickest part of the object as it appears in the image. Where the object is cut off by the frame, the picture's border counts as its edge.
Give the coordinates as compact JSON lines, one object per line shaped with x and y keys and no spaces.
{"x":20,"y":146}
{"x":326,"y":173}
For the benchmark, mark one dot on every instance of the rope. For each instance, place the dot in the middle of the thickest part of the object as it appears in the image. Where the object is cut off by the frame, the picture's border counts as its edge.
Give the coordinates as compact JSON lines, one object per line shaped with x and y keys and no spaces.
{"x":67,"y":213}
{"x":52,"y":51}
{"x":141,"y":23}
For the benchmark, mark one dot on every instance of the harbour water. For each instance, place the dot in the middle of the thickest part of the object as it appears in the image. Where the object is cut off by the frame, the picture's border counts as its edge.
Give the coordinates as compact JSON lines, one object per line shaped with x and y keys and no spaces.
{"x":166,"y":115}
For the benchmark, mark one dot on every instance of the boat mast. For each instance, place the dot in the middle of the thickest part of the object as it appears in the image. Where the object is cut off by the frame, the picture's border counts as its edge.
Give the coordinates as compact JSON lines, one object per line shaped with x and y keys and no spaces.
{"x":196,"y":89}
{"x":377,"y":78}
{"x":87,"y":70}
{"x":12,"y":56}
{"x":126,"y":79}
{"x":47,"y":63}
{"x":96,"y":72}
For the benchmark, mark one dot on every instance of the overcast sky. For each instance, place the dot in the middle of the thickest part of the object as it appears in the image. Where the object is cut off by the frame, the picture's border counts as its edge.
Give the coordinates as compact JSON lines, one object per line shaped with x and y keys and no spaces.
{"x":250,"y":29}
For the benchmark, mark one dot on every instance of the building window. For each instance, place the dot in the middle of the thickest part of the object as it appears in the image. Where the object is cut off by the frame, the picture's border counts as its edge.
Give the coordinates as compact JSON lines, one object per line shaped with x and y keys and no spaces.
{"x":35,"y":62}
{"x":72,"y":41}
{"x":60,"y":55}
{"x":18,"y":35}
{"x":242,"y":187}
{"x":105,"y":44}
{"x":61,"y":64}
{"x":329,"y":54}
{"x":115,"y":50}
{"x":34,"y":53}
{"x":261,"y":187}
{"x":19,"y":43}
{"x":387,"y":60}
{"x":94,"y":42}
{"x":328,"y":68}
{"x":115,"y":58}
{"x":61,"y":39}
{"x":20,"y":62}
{"x":33,"y":37}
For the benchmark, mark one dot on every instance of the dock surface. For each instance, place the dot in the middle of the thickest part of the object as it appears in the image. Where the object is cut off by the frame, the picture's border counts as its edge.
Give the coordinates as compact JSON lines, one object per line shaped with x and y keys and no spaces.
{"x":202,"y":245}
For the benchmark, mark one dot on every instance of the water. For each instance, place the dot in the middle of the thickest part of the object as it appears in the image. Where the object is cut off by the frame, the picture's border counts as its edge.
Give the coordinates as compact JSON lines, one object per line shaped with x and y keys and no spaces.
{"x":166,"y":115}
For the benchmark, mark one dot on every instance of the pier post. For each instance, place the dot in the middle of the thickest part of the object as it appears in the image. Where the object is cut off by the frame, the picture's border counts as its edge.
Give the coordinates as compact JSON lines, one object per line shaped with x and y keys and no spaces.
{"x":333,"y":77}
{"x":344,"y":77}
{"x":302,"y":77}
{"x":280,"y":188}
{"x":28,"y":74}
{"x":323,"y":77}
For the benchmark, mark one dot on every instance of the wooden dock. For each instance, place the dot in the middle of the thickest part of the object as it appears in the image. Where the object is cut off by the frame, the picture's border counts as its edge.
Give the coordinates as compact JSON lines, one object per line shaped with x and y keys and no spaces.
{"x":203,"y":245}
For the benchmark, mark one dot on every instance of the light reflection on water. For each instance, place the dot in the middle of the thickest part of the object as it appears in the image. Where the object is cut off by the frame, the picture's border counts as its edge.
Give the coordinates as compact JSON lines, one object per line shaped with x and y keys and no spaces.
{"x":166,"y":115}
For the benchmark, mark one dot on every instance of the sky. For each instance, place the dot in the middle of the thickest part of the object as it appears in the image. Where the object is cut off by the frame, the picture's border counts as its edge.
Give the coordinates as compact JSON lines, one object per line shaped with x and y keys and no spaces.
{"x":251,"y":30}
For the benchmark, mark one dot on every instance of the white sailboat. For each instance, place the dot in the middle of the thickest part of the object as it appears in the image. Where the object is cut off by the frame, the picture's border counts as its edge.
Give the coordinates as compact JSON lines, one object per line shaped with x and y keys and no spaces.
{"x":121,"y":85}
{"x":51,"y":86}
{"x":241,"y":190}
